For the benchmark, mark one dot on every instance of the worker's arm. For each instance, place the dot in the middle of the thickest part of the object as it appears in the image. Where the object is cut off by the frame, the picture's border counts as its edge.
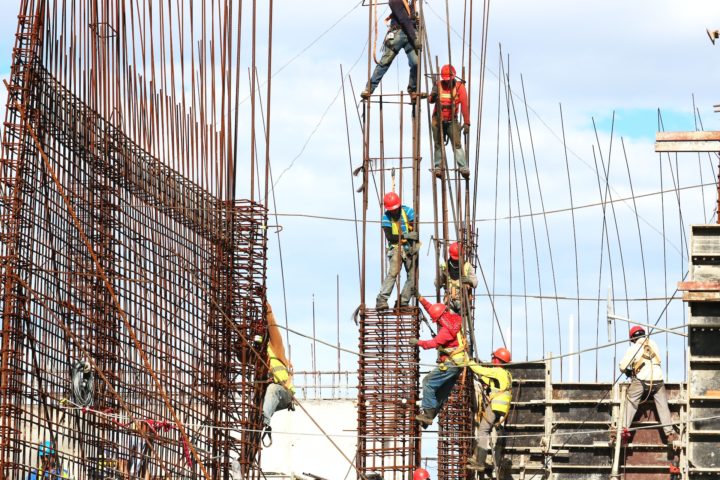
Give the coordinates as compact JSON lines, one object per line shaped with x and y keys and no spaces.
{"x":443,"y":337}
{"x":403,"y":18}
{"x":423,"y":301}
{"x":391,"y":238}
{"x":470,"y":279}
{"x":464,"y":107}
{"x":495,"y":373}
{"x":629,"y":357}
{"x":433,"y":94}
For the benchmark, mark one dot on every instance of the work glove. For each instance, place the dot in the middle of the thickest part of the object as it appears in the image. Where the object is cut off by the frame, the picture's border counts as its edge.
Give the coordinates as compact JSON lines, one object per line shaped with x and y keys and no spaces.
{"x":413,"y":236}
{"x":466,"y":129}
{"x":466,"y":280}
{"x":418,"y":44}
{"x":414,"y":341}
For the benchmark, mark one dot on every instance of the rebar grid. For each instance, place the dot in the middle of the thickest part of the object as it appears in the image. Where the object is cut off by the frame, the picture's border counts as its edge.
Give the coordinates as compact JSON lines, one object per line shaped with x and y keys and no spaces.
{"x":456,"y":431}
{"x":388,"y":393}
{"x":188,"y":272}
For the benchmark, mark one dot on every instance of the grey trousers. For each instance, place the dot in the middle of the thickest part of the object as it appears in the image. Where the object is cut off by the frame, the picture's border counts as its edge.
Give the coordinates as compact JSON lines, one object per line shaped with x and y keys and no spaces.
{"x":397,"y":258}
{"x":452,"y":128}
{"x":639,"y":390}
{"x":277,"y":398}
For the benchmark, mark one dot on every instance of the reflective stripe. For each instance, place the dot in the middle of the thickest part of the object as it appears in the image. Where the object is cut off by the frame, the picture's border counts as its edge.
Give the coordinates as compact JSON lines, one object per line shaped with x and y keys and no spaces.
{"x":279,"y":371}
{"x":446,"y":102}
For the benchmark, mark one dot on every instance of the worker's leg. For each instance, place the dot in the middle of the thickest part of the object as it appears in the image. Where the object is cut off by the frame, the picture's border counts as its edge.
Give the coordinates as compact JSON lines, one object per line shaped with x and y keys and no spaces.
{"x":438,"y":141}
{"x":483,"y":437}
{"x":275,"y":397}
{"x":391,"y":50}
{"x":458,"y":151}
{"x":410,"y":262}
{"x":632,"y":400}
{"x":387,"y":286}
{"x":437,"y":386}
{"x":412,"y":63}
{"x":661,"y":405}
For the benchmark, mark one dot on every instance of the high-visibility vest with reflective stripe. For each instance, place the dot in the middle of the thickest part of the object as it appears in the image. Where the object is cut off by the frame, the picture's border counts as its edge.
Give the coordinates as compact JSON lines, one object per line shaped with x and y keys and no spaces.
{"x":447,"y":98}
{"x":395,"y":225}
{"x":499,"y":381}
{"x":453,"y":289}
{"x":279,"y":371}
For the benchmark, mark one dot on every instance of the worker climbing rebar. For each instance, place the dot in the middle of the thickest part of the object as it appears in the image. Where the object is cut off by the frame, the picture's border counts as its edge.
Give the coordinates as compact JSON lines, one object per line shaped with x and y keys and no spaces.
{"x":402,"y":34}
{"x":451,"y":96}
{"x":450,"y":343}
{"x":279,"y":394}
{"x":398,"y":224}
{"x":641,"y":362}
{"x":495,"y":394}
{"x":452,"y":278}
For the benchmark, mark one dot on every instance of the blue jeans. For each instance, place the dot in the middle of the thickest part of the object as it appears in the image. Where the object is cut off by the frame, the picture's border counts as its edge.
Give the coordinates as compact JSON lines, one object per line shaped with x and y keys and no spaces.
{"x":393,"y":44}
{"x":437,"y":386}
{"x":277,"y":398}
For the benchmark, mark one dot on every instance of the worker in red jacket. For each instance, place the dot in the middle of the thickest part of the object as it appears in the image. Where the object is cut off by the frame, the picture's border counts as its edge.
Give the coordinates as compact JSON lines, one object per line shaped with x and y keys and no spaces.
{"x":450,"y":343}
{"x":450,"y":98}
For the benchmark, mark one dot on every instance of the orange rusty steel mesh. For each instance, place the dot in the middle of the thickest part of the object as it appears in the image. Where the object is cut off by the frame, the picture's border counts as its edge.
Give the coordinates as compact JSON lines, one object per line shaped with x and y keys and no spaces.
{"x":121,"y":241}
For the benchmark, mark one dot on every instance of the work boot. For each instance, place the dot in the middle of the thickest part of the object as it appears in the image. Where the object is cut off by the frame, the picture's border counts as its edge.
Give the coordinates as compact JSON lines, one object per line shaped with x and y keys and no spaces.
{"x":365,"y":94}
{"x":465,"y":172}
{"x":672,"y":438}
{"x":437,"y":172}
{"x":381,"y":305}
{"x":426,"y":417}
{"x":477,"y":463}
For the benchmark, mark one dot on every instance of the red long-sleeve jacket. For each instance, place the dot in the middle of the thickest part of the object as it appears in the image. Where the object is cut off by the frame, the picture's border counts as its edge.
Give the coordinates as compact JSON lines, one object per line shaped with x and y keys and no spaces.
{"x":447,"y":335}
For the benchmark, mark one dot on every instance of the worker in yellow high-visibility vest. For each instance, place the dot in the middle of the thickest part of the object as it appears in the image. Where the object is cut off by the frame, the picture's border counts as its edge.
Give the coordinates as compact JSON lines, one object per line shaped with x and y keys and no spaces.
{"x":279,"y":394}
{"x":496,"y":398}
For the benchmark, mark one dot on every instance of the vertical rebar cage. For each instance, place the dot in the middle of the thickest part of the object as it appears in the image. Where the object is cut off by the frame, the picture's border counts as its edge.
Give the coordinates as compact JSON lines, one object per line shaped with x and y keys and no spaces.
{"x":111,"y":257}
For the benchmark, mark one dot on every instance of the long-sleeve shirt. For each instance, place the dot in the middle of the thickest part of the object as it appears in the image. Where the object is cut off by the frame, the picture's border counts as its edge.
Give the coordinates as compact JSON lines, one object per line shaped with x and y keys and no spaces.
{"x":651,"y":370}
{"x":400,"y":16}
{"x":451,"y":269}
{"x":447,"y":335}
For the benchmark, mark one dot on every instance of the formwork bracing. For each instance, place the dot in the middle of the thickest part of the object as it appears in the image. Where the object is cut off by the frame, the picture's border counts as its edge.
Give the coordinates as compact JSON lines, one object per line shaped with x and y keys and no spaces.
{"x":133,"y":287}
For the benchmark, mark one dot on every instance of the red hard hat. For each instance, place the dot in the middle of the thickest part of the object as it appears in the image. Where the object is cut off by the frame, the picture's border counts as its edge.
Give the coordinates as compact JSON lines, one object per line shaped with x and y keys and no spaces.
{"x":502,"y":354}
{"x":447,"y":72}
{"x":436,"y":310}
{"x":391,"y":201}
{"x":454,"y":250}
{"x":421,"y":474}
{"x":637,"y":331}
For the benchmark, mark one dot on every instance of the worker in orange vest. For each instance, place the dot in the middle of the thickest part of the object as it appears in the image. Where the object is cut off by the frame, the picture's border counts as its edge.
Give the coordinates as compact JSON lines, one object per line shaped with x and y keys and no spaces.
{"x":451,"y":97}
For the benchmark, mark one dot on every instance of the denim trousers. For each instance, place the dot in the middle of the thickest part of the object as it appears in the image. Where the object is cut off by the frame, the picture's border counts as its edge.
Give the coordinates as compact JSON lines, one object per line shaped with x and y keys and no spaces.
{"x":395,"y":40}
{"x":438,"y":384}
{"x":277,"y":398}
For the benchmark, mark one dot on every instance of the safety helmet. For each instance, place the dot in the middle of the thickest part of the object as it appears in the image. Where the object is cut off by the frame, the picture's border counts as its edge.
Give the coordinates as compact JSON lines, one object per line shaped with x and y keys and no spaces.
{"x":454,"y":250}
{"x":502,"y":354}
{"x":447,"y":72}
{"x":637,"y":331}
{"x":421,"y":474}
{"x":436,"y":311}
{"x":46,"y":449}
{"x":391,"y":201}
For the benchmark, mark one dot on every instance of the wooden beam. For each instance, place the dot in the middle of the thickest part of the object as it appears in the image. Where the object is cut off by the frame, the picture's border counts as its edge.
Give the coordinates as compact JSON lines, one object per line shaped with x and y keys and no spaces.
{"x":699,"y":286}
{"x":687,"y":141}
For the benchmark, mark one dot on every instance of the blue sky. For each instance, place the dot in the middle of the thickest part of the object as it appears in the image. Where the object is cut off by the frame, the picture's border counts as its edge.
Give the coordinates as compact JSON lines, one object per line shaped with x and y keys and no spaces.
{"x":594,"y":58}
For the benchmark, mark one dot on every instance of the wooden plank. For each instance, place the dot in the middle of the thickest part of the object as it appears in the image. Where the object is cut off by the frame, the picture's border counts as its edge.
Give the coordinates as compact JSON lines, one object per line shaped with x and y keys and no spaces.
{"x":690,"y":146}
{"x":701,"y":296}
{"x":699,"y":286}
{"x":687,"y":136}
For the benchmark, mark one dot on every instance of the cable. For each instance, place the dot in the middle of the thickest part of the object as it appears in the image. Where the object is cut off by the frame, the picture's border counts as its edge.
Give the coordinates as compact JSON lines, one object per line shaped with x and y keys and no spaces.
{"x":82,"y":383}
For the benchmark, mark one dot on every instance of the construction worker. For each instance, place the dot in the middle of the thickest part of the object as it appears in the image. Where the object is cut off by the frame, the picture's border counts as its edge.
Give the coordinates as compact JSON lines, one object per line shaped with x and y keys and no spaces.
{"x":398,"y":224}
{"x":438,"y":384}
{"x":451,"y":277}
{"x":642,"y":363}
{"x":421,"y":474}
{"x":451,"y":96}
{"x":401,"y":35}
{"x":496,"y":392}
{"x":50,"y":465}
{"x":279,"y":394}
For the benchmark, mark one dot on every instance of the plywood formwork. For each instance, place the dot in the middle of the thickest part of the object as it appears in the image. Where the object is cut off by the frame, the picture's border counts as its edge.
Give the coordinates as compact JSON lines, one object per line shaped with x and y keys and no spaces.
{"x":702,"y":292}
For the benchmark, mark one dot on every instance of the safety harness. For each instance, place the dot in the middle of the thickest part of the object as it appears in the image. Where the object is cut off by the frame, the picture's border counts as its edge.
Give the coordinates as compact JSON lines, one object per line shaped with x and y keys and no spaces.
{"x":649,"y":355}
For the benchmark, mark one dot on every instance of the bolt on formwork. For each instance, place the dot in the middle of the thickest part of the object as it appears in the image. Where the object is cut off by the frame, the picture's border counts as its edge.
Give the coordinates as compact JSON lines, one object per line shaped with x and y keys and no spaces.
{"x":114,"y":260}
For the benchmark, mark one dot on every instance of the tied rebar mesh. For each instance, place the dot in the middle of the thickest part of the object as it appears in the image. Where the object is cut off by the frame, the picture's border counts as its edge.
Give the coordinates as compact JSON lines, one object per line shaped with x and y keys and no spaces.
{"x":388,"y":435}
{"x":150,"y":266}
